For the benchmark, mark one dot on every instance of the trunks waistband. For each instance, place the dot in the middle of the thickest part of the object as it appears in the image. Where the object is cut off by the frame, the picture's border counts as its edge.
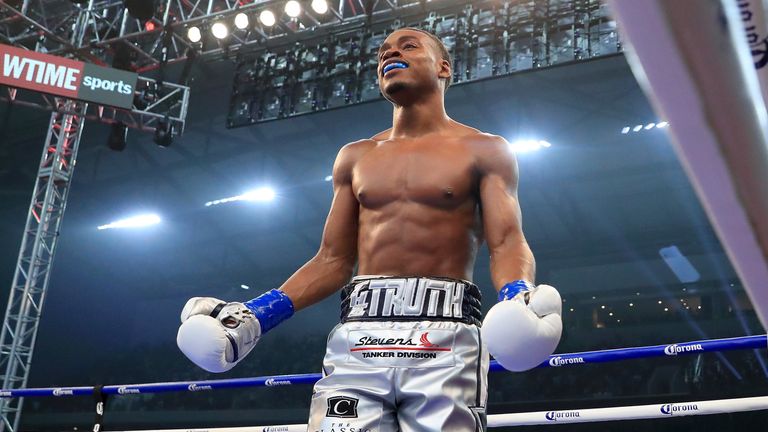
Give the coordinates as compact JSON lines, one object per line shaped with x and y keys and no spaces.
{"x":385,"y":298}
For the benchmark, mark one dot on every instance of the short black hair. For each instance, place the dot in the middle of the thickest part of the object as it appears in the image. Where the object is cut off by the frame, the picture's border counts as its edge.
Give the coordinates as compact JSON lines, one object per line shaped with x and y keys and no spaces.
{"x":441,"y":47}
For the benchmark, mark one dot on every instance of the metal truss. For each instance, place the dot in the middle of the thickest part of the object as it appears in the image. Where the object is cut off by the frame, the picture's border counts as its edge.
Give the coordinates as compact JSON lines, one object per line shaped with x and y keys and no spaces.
{"x":155,"y":104}
{"x":98,"y":29}
{"x":33,"y":269}
{"x":485,"y":38}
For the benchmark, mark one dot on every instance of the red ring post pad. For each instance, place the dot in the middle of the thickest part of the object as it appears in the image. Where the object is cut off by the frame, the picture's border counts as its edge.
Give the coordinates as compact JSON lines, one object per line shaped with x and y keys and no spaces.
{"x":557,"y":360}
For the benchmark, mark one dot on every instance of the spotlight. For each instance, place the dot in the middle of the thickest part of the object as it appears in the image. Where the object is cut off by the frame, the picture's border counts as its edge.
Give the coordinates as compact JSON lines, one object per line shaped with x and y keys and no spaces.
{"x":241,"y":21}
{"x":320,"y":6}
{"x":133,"y":222}
{"x":219,"y":30}
{"x":526,"y":145}
{"x":194,"y":35}
{"x":260,"y":194}
{"x":267,"y":18}
{"x":293,"y":8}
{"x":117,"y":136}
{"x":149,"y":26}
{"x":164,"y":133}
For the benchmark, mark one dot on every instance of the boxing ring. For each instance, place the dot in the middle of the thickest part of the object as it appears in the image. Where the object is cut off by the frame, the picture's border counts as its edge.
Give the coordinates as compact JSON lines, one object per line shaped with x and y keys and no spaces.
{"x":723,"y":165}
{"x":660,"y":410}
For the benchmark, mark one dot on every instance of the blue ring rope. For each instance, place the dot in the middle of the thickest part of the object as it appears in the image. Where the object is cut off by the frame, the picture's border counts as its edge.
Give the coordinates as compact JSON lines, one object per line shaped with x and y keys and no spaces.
{"x":556,"y":360}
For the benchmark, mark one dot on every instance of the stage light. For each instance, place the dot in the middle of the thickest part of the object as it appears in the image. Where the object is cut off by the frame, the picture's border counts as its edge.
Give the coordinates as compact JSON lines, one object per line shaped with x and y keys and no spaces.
{"x":328,"y":178}
{"x":524,"y":146}
{"x":241,"y":21}
{"x":133,"y":222}
{"x":219,"y":30}
{"x":625,"y":130}
{"x":149,"y":26}
{"x":320,"y":6}
{"x":267,"y":18}
{"x":164,"y":133}
{"x":293,"y":8}
{"x":117,"y":136}
{"x":662,"y":125}
{"x":194,"y":35}
{"x":260,"y":194}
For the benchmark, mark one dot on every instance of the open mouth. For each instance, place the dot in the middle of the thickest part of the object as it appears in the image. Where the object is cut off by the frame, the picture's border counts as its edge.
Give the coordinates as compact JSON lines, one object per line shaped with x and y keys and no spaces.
{"x":393,"y":66}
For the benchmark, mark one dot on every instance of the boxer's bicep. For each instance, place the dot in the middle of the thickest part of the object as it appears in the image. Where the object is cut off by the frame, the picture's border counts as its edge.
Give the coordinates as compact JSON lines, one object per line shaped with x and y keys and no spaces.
{"x":334,"y":262}
{"x":502,"y":218}
{"x":511,"y":257}
{"x":339,"y":239}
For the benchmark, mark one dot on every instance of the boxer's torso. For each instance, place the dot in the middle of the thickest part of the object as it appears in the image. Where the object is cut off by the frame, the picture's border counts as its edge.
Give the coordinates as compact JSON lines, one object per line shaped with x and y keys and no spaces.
{"x":418,"y":200}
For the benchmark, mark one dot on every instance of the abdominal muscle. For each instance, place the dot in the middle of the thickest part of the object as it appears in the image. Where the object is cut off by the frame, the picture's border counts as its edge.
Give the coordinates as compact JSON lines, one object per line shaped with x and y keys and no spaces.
{"x":413,"y":239}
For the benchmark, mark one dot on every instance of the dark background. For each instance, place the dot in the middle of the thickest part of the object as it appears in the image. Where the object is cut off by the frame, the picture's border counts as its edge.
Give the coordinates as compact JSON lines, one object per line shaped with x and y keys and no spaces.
{"x":597,"y":207}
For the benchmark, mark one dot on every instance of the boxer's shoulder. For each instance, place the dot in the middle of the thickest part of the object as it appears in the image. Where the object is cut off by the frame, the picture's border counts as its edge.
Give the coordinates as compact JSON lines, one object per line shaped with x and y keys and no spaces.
{"x":348,"y":156}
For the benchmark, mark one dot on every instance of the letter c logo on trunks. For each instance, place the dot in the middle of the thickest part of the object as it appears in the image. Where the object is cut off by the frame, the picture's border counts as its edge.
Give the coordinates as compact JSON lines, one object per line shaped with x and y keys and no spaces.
{"x":342,"y":407}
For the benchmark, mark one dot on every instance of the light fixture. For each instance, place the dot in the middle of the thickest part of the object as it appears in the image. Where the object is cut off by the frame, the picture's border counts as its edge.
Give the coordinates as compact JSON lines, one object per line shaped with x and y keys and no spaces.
{"x":320,"y":6}
{"x":194,"y":35}
{"x":133,"y":222}
{"x":328,"y":178}
{"x":219,"y":30}
{"x":293,"y":8}
{"x":267,"y":18}
{"x":260,"y":194}
{"x":117,"y":136}
{"x":526,"y":145}
{"x":164,"y":133}
{"x":241,"y":21}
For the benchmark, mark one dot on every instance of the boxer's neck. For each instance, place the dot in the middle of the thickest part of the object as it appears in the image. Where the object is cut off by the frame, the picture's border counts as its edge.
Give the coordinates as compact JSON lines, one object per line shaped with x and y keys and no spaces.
{"x":419,"y":118}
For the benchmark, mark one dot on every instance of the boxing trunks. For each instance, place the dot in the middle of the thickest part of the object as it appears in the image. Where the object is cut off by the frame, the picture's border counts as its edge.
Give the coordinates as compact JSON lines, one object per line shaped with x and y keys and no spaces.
{"x":407,"y":356}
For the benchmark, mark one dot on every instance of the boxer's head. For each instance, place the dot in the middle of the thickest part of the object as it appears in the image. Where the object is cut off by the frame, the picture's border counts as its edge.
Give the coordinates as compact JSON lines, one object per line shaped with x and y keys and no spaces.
{"x":412,"y":60}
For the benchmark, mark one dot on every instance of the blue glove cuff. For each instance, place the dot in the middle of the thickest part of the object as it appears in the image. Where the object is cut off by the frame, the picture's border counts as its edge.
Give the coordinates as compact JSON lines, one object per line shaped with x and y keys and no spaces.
{"x":271,"y":308}
{"x":512,"y":289}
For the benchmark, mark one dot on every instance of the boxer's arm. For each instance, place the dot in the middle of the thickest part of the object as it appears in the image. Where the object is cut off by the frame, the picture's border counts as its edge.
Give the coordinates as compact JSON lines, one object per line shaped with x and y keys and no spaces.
{"x":334,"y":262}
{"x":511,"y":257}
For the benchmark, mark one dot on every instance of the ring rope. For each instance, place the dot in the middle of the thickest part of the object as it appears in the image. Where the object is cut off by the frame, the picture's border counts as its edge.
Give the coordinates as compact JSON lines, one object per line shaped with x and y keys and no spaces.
{"x":557,"y":360}
{"x":591,"y":415}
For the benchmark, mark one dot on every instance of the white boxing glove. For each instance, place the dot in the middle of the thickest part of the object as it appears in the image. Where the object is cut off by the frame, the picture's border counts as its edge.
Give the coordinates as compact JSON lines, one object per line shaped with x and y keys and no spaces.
{"x":217,"y":335}
{"x":524,"y":328}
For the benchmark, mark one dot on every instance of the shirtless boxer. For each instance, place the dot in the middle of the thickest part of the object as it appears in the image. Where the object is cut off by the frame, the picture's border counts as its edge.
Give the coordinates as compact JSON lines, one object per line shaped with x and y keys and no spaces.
{"x":411,"y":207}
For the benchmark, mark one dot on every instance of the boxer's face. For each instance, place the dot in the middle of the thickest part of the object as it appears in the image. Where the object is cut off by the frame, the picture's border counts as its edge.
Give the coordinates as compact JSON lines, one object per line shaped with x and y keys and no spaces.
{"x":408,"y":61}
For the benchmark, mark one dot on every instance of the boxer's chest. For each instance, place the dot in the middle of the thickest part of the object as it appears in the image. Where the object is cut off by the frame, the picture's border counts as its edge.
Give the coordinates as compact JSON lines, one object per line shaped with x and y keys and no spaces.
{"x":439,"y":174}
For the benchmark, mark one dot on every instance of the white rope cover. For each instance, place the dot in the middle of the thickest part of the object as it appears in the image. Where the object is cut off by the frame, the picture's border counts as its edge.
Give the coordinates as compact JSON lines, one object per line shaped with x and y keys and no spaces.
{"x":635,"y":412}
